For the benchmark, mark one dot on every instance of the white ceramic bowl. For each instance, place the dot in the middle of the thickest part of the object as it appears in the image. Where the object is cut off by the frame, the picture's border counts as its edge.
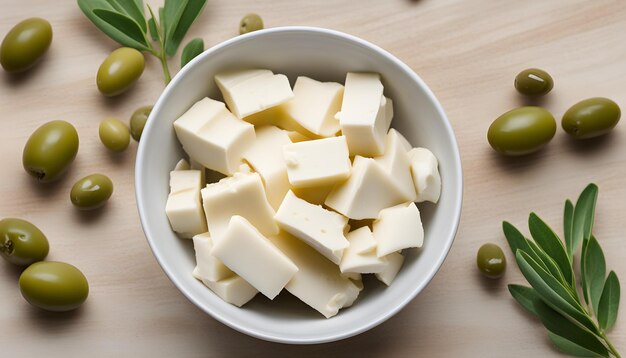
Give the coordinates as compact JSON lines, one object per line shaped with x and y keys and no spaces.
{"x":323,"y":55}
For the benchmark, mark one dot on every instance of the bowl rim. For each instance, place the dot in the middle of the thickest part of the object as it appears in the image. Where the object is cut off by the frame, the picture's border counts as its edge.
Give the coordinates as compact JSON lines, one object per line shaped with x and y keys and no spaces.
{"x":367,"y":325}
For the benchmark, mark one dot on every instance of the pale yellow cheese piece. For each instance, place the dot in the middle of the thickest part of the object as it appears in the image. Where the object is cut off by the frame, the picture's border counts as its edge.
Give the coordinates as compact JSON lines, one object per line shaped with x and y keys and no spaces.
{"x":234,"y":290}
{"x":315,"y":194}
{"x":398,"y":228}
{"x":394,"y":262}
{"x":425,"y":172}
{"x":209,"y":267}
{"x":183,"y":207}
{"x":317,"y":162}
{"x":395,"y":161}
{"x":360,"y":256}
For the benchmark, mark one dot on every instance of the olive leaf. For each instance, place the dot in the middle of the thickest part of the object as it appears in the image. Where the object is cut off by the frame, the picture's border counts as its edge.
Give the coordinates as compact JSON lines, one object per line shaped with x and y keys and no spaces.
{"x":132,"y":9}
{"x":549,"y":265}
{"x":525,"y":296}
{"x":153,"y":29}
{"x":593,"y":271}
{"x":609,"y":302}
{"x":568,"y":347}
{"x":584,"y":212}
{"x":191,"y":50}
{"x":179,"y":16}
{"x":568,"y":220}
{"x":552,"y":245}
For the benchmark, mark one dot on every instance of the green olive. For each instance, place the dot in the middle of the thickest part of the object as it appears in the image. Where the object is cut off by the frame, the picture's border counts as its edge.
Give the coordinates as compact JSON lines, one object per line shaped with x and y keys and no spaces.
{"x":138,"y":121}
{"x":591,"y":118}
{"x":521,"y":131}
{"x":249,"y":23}
{"x":22,"y":243}
{"x":120,"y":71}
{"x":534,"y":82}
{"x":91,"y":192}
{"x":50,"y":150}
{"x":491,"y":261}
{"x":54,"y":286}
{"x":25,"y":44}
{"x":114,"y":134}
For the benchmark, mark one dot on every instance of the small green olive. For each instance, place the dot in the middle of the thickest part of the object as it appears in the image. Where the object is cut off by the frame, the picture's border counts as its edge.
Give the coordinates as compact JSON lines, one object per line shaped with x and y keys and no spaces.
{"x":249,"y":23}
{"x":50,"y":150}
{"x":25,"y":44}
{"x":521,"y":131}
{"x":590,"y":118}
{"x":114,"y":134}
{"x":491,"y":261}
{"x":119,"y":71}
{"x":22,"y":243}
{"x":91,"y":192}
{"x":54,"y":286}
{"x":138,"y":121}
{"x":534,"y":82}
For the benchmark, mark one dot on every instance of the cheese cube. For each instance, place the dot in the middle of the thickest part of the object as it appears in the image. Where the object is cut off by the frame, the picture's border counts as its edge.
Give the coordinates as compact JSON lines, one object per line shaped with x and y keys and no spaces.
{"x":361,"y":256}
{"x":319,"y":228}
{"x":212,"y":136}
{"x":363,"y":114}
{"x":317,"y":162}
{"x":315,"y":194}
{"x":398,"y":228}
{"x":234,"y":290}
{"x":368,"y":190}
{"x":251,"y":91}
{"x":318,"y":282}
{"x":394,"y":263}
{"x":208,"y":267}
{"x":183,"y":207}
{"x":243,"y":249}
{"x":242,"y":194}
{"x":182,"y":165}
{"x":396,"y":163}
{"x":278,"y":116}
{"x":315,"y":105}
{"x":425,"y":171}
{"x":195,"y":165}
{"x":266,"y":157}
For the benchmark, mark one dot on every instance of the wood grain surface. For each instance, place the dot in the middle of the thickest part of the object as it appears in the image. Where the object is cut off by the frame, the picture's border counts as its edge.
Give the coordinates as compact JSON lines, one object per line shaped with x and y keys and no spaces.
{"x":467,"y":51}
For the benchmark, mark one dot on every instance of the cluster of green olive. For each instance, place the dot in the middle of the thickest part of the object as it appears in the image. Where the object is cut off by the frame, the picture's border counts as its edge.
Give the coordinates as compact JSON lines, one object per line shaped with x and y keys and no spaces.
{"x":50,"y":285}
{"x":115,"y":134}
{"x":527,"y":129}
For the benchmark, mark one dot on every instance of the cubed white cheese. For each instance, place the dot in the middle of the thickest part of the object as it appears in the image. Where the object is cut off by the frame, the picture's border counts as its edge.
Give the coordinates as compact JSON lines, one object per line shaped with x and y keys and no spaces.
{"x":317,"y":162}
{"x":363,"y":115}
{"x":394,"y":263}
{"x":211,"y":135}
{"x":266,"y":158}
{"x":209,"y":267}
{"x":318,"y":282}
{"x":182,"y":165}
{"x":320,"y":228}
{"x":315,"y":105}
{"x":251,"y":91}
{"x":244,"y":250}
{"x":398,"y":228}
{"x":234,"y":290}
{"x":315,"y":194}
{"x":195,"y":165}
{"x":361,"y":256}
{"x":425,"y":171}
{"x":396,"y":163}
{"x":368,"y":190}
{"x":242,"y":194}
{"x":183,"y":207}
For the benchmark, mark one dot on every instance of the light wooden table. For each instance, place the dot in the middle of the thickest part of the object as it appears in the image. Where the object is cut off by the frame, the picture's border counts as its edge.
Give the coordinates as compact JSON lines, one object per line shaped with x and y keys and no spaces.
{"x":467,"y":51}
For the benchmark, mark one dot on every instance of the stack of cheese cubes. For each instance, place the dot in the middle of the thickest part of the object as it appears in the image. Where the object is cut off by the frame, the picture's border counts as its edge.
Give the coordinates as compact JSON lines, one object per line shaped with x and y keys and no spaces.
{"x":317,"y":189}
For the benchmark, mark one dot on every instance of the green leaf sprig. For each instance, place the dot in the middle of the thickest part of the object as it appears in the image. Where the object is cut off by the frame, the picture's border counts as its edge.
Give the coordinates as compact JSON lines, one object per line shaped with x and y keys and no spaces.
{"x":576,"y":327}
{"x":125,"y":22}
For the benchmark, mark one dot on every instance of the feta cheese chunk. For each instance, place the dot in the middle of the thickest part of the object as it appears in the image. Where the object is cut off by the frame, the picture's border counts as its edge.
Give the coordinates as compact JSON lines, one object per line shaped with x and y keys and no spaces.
{"x":426,"y":178}
{"x":363,"y":115}
{"x":183,"y":207}
{"x":242,"y":194}
{"x":398,"y":228}
{"x":266,"y":157}
{"x":394,"y":263}
{"x":318,"y":282}
{"x":211,"y":135}
{"x":319,"y":228}
{"x":317,"y":162}
{"x":368,"y":190}
{"x":209,"y":267}
{"x":396,"y":163}
{"x":234,"y":290}
{"x":251,"y":91}
{"x":244,"y":250}
{"x":315,"y":105}
{"x":360,"y":256}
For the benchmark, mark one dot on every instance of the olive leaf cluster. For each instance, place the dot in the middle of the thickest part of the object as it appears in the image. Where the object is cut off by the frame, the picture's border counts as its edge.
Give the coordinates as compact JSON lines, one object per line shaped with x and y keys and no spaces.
{"x":575,"y":327}
{"x":125,"y":22}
